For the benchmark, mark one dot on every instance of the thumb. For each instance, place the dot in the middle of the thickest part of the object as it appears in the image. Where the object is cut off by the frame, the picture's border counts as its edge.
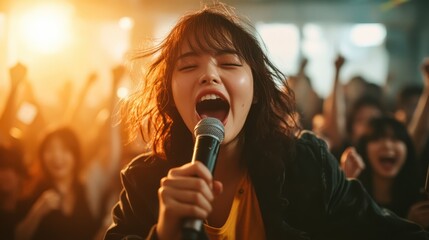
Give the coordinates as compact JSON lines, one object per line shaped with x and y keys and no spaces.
{"x":217,"y":188}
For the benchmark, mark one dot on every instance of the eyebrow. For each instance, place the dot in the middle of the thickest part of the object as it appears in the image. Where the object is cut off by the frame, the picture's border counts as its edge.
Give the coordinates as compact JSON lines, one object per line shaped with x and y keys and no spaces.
{"x":218,"y":53}
{"x":227,"y":51}
{"x":187,"y":54}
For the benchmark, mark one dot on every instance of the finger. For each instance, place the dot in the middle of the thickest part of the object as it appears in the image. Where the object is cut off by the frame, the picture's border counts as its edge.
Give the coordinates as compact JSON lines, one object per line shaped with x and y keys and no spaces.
{"x":357,"y":158}
{"x":217,"y":188}
{"x":345,"y":155}
{"x":171,"y":207}
{"x":357,"y":172}
{"x":188,"y":198}
{"x":188,"y":184}
{"x":196,"y":169}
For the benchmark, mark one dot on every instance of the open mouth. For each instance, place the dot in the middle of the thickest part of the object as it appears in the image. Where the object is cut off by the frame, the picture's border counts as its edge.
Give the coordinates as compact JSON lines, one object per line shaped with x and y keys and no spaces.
{"x":212,"y":105}
{"x":388,"y":161}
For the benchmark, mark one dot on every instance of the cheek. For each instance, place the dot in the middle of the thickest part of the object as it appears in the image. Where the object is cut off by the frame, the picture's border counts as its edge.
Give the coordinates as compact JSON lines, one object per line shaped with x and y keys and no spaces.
{"x":402,"y":152}
{"x":181,"y":91}
{"x":183,"y":99}
{"x":48,"y":158}
{"x":243,"y":88}
{"x":175,"y":86}
{"x":358,"y":128}
{"x":371,"y":150}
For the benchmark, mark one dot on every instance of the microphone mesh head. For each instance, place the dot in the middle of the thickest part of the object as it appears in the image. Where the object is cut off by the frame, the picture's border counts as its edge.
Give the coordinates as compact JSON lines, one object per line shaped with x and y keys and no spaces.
{"x":211,"y":127}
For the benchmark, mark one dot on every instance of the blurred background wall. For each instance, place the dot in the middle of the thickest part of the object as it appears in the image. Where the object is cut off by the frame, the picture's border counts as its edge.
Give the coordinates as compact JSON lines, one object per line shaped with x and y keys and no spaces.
{"x":62,"y":41}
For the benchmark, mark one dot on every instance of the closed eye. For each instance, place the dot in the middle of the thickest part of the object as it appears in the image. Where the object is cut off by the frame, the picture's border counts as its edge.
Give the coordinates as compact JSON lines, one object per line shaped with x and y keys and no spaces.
{"x":187,"y":67}
{"x":231,"y":65}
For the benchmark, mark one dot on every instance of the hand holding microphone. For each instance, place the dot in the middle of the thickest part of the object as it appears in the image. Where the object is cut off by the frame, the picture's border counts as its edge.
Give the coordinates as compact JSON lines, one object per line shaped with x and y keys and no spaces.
{"x":187,"y":192}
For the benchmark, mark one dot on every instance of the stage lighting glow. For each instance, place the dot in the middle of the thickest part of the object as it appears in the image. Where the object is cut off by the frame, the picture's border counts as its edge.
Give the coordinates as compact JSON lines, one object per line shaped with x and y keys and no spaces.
{"x":46,"y":28}
{"x":282,"y":41}
{"x":122,"y":92}
{"x":2,"y":24}
{"x":368,"y":35}
{"x":126,"y":23}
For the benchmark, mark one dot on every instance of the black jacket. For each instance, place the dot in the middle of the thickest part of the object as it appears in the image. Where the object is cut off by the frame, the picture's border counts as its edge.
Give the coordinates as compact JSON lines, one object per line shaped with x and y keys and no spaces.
{"x":309,"y":198}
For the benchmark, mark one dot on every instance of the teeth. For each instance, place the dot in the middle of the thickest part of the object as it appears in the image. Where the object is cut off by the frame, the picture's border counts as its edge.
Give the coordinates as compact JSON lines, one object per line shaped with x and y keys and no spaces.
{"x":209,"y":97}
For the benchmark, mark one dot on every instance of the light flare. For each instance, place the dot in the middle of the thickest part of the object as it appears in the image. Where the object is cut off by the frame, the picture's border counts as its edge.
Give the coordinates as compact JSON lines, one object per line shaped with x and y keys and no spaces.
{"x":46,"y":28}
{"x":122,"y":92}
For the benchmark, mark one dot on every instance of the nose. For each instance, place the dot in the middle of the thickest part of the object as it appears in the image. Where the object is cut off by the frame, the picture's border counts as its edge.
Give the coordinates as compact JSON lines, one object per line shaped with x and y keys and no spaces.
{"x":210,"y":75}
{"x":387,"y":142}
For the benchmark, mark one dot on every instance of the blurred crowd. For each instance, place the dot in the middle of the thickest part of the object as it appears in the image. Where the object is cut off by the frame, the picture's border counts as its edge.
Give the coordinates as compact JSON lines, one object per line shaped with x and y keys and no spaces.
{"x":383,"y":144}
{"x":59,"y":178}
{"x":60,"y":181}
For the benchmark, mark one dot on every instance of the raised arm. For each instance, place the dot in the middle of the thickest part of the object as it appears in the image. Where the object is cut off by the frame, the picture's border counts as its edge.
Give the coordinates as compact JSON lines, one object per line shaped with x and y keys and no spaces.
{"x":301,"y":70}
{"x":334,"y":110}
{"x":419,"y":127}
{"x":104,"y":149}
{"x":107,"y":130}
{"x":73,"y":111}
{"x":17,"y":75}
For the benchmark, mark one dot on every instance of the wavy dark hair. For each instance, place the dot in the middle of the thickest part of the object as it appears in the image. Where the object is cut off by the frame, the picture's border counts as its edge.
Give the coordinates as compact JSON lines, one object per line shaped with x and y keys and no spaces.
{"x":407,"y":183}
{"x":214,"y":28}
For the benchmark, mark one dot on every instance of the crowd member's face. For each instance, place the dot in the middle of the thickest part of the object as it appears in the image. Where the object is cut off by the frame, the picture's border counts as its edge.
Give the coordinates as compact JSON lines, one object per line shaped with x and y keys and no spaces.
{"x":362,"y":117}
{"x":386,"y":156}
{"x":58,"y":159}
{"x":223,"y":78}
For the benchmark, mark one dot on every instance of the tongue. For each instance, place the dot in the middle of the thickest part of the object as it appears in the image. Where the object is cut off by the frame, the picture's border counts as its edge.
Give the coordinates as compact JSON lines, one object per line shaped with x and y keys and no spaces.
{"x":219,"y":114}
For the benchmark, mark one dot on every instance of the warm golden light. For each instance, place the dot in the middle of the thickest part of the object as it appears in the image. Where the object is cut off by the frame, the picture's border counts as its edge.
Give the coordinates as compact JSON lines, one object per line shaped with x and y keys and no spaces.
{"x":122,"y":92}
{"x":16,"y":133}
{"x":46,"y":28}
{"x":126,"y":23}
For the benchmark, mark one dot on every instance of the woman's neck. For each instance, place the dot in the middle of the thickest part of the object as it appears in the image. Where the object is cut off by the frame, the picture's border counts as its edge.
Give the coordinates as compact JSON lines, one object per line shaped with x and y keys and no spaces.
{"x":382,"y":189}
{"x":229,"y":163}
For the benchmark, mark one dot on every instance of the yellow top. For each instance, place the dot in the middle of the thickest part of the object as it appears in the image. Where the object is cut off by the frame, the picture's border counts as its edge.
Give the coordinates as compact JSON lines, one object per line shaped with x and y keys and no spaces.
{"x":244,"y":220}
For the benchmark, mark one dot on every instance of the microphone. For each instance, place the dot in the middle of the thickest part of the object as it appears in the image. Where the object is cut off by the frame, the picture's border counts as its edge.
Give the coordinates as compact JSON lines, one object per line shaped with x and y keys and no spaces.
{"x":209,"y":133}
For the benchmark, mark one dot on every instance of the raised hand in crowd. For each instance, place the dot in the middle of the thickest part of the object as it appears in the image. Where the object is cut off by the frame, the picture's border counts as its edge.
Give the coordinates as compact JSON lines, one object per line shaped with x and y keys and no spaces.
{"x":74,"y":111}
{"x":334,"y":111}
{"x":309,"y":104}
{"x":17,"y":75}
{"x":351,"y":163}
{"x":419,"y":124}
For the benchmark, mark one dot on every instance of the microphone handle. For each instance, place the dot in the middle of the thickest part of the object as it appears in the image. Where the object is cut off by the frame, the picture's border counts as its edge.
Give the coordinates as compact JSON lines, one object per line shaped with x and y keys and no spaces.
{"x":191,"y":229}
{"x":206,"y":150}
